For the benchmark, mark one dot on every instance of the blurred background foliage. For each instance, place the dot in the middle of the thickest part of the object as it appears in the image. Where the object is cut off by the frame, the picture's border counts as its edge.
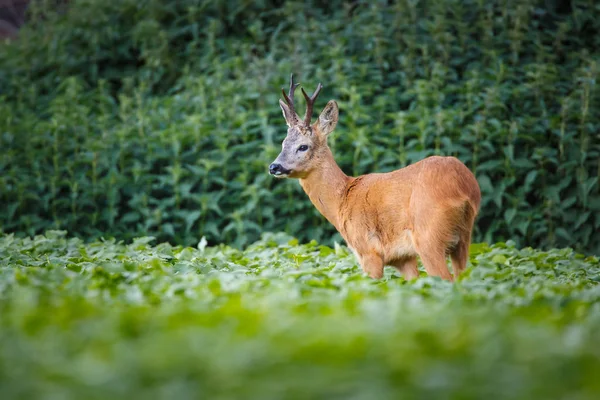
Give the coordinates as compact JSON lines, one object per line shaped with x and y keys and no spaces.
{"x":160,"y":117}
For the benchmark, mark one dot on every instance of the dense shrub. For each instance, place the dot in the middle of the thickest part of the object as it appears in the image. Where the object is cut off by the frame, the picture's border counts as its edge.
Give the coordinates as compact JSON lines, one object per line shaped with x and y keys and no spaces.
{"x":160,"y":117}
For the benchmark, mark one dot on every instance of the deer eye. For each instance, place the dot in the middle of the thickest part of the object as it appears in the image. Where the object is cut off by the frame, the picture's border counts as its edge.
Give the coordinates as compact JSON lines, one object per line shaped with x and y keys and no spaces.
{"x":303,"y":148}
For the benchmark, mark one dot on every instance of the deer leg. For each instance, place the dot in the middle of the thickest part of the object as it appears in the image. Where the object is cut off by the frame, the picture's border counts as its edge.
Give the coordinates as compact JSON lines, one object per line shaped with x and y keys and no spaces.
{"x":460,"y":255}
{"x":372,"y":264}
{"x":431,"y":242}
{"x":407,"y":267}
{"x":435,"y":265}
{"x":433,"y":256}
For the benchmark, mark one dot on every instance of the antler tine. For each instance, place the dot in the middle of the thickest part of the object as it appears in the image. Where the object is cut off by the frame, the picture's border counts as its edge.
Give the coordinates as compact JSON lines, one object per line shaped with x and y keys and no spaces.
{"x":310,"y":102}
{"x":289,"y":98}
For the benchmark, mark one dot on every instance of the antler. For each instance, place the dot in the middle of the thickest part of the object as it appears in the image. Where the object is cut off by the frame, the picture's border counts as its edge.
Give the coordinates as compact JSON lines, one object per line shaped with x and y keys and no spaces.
{"x":289,"y":98}
{"x":310,"y":102}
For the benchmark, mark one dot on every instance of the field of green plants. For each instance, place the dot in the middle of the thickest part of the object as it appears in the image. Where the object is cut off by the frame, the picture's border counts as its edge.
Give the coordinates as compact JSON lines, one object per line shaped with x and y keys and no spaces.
{"x":104,"y":320}
{"x":142,"y":252}
{"x":155,"y":117}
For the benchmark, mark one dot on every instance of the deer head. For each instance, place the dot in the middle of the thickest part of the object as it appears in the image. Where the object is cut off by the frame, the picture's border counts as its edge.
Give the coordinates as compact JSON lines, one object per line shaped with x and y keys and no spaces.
{"x":304,"y":144}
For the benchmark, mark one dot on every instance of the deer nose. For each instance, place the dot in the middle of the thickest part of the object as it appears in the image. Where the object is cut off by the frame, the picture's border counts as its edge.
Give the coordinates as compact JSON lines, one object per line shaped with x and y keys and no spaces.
{"x":275,"y":169}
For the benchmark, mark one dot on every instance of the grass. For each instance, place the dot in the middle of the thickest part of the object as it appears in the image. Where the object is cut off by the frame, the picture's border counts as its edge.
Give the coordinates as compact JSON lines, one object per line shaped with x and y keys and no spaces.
{"x":285,"y":320}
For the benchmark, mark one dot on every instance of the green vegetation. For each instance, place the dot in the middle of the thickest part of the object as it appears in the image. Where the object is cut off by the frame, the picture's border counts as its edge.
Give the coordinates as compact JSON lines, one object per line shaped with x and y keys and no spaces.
{"x":122,"y":120}
{"x":132,"y":118}
{"x":282,"y":320}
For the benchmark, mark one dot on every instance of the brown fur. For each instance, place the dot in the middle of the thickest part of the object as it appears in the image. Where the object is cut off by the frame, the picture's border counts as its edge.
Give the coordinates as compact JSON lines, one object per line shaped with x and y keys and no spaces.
{"x":426,"y":209}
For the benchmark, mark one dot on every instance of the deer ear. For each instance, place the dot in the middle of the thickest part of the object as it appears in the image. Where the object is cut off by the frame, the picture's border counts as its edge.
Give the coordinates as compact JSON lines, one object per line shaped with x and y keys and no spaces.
{"x":328,"y":118}
{"x":291,"y":118}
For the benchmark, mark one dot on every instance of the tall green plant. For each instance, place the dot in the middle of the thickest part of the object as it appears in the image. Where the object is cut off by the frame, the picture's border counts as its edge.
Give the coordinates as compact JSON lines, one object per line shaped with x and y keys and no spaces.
{"x":158,"y":117}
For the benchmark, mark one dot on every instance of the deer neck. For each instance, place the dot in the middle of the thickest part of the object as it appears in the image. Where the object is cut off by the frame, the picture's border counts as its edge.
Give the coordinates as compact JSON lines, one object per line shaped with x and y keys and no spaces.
{"x":325,"y":187}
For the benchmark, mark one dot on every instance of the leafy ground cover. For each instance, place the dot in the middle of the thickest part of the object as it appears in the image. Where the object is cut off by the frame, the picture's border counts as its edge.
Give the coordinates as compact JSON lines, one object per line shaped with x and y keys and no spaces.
{"x":285,"y":320}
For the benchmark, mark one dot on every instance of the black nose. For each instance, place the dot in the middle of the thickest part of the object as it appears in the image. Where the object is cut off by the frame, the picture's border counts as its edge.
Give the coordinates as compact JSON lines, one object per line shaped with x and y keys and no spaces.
{"x":275,"y":168}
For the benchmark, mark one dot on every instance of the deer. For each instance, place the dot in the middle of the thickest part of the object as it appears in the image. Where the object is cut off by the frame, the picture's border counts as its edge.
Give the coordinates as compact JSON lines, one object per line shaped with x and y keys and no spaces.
{"x":426,"y":209}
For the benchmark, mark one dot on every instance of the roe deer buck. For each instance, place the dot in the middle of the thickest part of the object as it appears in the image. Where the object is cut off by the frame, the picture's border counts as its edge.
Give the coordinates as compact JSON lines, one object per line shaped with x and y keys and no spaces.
{"x":425,"y":209}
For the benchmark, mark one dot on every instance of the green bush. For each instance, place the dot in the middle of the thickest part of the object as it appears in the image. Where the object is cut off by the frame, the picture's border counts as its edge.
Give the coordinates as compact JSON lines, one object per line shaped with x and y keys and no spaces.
{"x":160,"y":117}
{"x":104,"y":320}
